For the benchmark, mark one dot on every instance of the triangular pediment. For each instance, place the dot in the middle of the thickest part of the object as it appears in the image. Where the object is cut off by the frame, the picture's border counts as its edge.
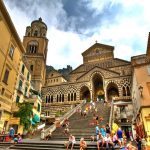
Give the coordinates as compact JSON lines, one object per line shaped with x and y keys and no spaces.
{"x":102,"y":48}
{"x":98,"y":52}
{"x":106,"y":73}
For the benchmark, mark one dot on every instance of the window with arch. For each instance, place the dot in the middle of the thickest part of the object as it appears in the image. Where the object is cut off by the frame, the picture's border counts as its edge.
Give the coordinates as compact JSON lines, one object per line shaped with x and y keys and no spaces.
{"x":62,"y":97}
{"x":71,"y":96}
{"x":49,"y":99}
{"x":57,"y":98}
{"x":124,"y":91}
{"x":46,"y":99}
{"x":52,"y":99}
{"x":33,"y":47}
{"x":75,"y":96}
{"x":29,"y":33}
{"x":68,"y":97}
{"x":128,"y":91}
{"x":36,"y":33}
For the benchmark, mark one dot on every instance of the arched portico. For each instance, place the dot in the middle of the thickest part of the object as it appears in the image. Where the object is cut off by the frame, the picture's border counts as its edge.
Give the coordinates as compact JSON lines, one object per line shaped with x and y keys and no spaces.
{"x":84,"y":93}
{"x":112,"y":91}
{"x":98,"y":88}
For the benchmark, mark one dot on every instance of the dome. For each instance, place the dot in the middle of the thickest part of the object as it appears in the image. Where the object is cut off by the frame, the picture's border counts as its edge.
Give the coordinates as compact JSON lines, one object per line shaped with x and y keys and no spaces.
{"x":39,"y":23}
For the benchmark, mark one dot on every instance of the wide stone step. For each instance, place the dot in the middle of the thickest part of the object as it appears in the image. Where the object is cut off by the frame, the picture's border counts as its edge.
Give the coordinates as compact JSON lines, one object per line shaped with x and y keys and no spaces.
{"x":50,"y":146}
{"x":45,"y":146}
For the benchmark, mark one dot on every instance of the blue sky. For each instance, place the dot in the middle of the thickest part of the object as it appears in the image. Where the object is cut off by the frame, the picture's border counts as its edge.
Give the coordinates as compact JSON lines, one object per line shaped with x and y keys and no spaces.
{"x":75,"y":25}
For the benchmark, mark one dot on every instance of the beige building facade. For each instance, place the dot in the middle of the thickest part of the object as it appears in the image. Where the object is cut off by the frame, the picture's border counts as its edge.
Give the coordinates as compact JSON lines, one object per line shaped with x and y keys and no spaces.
{"x":141,"y":93}
{"x":11,"y":50}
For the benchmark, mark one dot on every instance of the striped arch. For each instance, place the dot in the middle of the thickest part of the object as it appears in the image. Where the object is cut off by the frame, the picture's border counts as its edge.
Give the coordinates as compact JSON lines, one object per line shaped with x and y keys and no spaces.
{"x":84,"y":92}
{"x":94,"y":73}
{"x":112,"y":89}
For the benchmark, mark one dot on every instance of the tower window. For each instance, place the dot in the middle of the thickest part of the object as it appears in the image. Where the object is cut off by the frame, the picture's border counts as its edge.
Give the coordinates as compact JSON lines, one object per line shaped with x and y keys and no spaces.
{"x":29,"y":33}
{"x":31,"y":67}
{"x":33,"y":47}
{"x":35,"y":33}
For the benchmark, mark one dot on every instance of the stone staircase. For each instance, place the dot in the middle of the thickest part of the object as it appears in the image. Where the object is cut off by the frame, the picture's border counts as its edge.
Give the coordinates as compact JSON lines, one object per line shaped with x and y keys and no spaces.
{"x":79,"y":127}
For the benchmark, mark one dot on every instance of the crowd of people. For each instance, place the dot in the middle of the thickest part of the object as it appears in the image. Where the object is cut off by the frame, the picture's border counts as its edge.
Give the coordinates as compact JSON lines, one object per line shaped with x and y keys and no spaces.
{"x":105,"y":136}
{"x":11,"y":136}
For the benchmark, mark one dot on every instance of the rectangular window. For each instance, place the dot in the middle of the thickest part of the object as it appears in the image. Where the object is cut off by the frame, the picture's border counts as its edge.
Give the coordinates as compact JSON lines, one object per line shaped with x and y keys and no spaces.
{"x":39,"y":107}
{"x":11,"y":51}
{"x":5,"y":78}
{"x":17,"y":99}
{"x":22,"y":70}
{"x":20,"y":83}
{"x":28,"y":76}
{"x":25,"y":92}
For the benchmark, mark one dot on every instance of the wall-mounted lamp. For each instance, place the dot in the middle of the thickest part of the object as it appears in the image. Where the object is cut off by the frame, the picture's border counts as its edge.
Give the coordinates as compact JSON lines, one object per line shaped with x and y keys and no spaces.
{"x":141,"y":90}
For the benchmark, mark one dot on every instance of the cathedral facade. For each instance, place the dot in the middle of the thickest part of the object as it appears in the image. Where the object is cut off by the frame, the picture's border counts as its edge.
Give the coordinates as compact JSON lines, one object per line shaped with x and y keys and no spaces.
{"x":100,"y":77}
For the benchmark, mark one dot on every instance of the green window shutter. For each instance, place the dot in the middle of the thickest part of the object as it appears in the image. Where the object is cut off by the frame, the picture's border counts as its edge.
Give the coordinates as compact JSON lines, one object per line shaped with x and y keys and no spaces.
{"x":39,"y":107}
{"x":17,"y":99}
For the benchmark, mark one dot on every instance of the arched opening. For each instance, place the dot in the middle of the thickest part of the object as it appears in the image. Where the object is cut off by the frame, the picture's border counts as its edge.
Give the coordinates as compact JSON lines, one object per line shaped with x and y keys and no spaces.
{"x":62,"y":97}
{"x":124,"y":91}
{"x":84,"y":93}
{"x":52,"y":99}
{"x":33,"y":47}
{"x":74,"y":96}
{"x":98,"y":89}
{"x":71,"y":96}
{"x":128,"y":91}
{"x":112,"y":91}
{"x":68,"y":97}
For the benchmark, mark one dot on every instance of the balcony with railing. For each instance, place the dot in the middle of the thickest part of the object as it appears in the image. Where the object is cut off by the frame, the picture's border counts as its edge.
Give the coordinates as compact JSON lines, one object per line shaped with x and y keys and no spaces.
{"x":20,"y":89}
{"x":122,"y":98}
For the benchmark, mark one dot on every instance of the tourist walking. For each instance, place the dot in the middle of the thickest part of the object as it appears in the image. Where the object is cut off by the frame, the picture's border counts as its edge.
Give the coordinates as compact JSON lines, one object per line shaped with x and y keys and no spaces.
{"x":120,"y":136}
{"x":97,"y":131}
{"x":103,"y":131}
{"x":11,"y":133}
{"x":107,"y":128}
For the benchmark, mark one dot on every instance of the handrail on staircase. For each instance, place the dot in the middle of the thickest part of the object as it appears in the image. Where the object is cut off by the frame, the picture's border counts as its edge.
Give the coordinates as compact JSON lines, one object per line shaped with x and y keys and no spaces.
{"x":111,"y":113}
{"x":52,"y":128}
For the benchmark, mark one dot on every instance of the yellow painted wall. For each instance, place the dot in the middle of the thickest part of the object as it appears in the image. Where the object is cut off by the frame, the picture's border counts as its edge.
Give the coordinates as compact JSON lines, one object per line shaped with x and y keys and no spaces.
{"x":144,"y":113}
{"x":8,"y":37}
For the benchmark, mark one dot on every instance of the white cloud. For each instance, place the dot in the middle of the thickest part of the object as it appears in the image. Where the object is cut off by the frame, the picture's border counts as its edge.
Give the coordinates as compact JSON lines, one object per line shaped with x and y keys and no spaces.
{"x":127,"y":31}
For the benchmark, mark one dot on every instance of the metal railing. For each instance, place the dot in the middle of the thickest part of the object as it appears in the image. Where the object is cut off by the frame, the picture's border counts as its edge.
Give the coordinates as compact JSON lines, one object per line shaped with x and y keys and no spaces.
{"x":52,"y":128}
{"x":111,"y":114}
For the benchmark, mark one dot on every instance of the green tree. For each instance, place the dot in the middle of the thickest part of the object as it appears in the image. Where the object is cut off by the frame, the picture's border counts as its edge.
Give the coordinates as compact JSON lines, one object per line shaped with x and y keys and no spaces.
{"x":25,"y":113}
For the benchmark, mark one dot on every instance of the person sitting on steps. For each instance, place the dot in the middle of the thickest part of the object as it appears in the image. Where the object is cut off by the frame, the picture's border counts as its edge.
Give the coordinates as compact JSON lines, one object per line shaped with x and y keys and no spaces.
{"x":71,"y":141}
{"x":83,"y":144}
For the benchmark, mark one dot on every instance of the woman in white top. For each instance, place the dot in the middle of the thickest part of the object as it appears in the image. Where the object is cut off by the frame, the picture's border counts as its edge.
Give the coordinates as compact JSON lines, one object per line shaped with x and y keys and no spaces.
{"x":72,"y":141}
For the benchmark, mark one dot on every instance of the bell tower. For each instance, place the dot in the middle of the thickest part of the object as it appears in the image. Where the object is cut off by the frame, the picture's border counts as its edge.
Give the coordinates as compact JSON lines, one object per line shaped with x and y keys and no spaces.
{"x":36,"y":43}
